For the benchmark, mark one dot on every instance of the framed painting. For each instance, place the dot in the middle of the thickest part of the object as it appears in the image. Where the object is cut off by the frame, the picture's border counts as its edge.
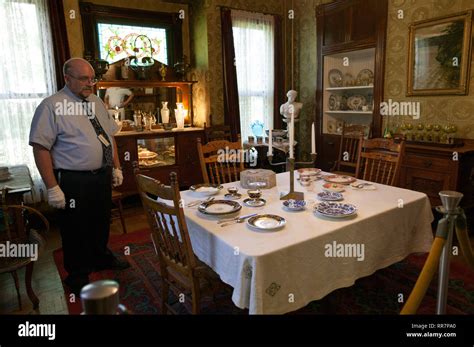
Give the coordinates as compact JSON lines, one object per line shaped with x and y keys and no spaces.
{"x":439,"y":55}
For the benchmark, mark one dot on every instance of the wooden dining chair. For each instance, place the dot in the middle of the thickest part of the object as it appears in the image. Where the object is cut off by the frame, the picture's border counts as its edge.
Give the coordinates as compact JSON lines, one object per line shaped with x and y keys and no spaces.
{"x":380,"y":161}
{"x":221,"y":161}
{"x":22,"y":225}
{"x":349,"y":149}
{"x":217,"y":132}
{"x":180,"y":270}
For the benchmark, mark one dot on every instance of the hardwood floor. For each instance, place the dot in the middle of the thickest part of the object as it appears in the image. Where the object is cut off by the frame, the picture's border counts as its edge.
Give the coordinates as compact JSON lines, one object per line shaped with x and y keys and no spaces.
{"x":46,"y":281}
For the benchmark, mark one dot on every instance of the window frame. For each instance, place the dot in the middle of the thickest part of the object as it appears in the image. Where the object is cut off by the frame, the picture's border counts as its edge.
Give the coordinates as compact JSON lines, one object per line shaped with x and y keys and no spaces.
{"x":93,"y":14}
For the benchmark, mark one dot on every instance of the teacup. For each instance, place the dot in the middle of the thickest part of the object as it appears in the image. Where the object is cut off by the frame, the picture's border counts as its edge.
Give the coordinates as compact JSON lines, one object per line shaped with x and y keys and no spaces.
{"x":306,"y":180}
{"x":254,"y":193}
{"x":233,"y":190}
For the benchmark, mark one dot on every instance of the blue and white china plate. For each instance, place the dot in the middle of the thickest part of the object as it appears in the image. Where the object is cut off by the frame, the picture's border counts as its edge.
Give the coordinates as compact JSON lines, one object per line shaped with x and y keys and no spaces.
{"x":266,"y":222}
{"x":294,"y":205}
{"x":330,"y":196}
{"x":335,"y":209}
{"x":219,"y":207}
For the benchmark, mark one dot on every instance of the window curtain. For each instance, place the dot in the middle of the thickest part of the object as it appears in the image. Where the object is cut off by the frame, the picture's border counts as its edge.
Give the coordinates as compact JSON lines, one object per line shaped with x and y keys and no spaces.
{"x":28,"y":76}
{"x":279,"y":96}
{"x":255,"y":55}
{"x":60,"y":42}
{"x":231,"y":94}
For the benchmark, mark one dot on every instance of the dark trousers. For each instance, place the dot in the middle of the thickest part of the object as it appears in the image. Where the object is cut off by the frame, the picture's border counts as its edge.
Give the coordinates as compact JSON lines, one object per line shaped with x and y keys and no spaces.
{"x":85,"y":222}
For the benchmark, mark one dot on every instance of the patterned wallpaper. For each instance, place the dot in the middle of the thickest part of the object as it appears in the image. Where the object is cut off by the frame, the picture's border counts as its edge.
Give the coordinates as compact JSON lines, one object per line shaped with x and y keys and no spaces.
{"x":434,"y":109}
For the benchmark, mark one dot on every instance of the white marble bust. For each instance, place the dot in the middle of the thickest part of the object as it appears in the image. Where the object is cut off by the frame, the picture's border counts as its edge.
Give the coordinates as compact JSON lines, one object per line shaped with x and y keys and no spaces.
{"x":285,"y":109}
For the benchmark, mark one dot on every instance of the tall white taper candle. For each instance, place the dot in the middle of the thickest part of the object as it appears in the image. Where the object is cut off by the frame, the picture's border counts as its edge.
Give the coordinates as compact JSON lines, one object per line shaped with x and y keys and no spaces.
{"x":270,"y":143}
{"x":313,"y":140}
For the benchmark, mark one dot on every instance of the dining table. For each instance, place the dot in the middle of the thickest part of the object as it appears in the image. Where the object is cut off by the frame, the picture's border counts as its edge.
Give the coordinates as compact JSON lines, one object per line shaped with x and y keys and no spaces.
{"x":282,"y":270}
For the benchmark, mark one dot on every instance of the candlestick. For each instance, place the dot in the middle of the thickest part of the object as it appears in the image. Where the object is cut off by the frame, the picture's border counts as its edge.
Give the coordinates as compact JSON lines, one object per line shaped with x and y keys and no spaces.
{"x":270,"y":143}
{"x":313,"y":140}
{"x":292,"y":131}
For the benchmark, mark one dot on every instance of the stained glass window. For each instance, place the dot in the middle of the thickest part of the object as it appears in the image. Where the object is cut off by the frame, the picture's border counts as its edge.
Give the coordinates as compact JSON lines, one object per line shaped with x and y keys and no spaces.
{"x":117,"y":41}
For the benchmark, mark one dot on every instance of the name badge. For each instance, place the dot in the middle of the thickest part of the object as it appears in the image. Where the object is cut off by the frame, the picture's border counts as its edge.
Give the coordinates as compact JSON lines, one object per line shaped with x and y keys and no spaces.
{"x":103,"y":140}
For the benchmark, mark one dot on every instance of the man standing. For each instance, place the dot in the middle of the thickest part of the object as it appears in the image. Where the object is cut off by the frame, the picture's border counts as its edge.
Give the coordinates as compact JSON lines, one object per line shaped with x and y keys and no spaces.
{"x":76,"y":155}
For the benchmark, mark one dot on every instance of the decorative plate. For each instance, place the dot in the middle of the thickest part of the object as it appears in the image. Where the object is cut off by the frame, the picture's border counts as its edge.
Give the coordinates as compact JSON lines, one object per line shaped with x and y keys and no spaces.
{"x":332,"y":104}
{"x":340,"y":179}
{"x":335,"y":209}
{"x":266,"y":222}
{"x":333,"y":187}
{"x":219,"y":207}
{"x":309,"y":171}
{"x":254,"y":202}
{"x":331,"y":127}
{"x":355,"y":102}
{"x":330,"y":196}
{"x":348,"y":80}
{"x":294,"y":205}
{"x":365,"y":77}
{"x":335,"y":78}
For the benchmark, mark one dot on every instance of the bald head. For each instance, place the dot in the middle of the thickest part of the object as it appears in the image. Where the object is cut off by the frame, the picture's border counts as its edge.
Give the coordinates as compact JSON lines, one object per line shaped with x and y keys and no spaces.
{"x":75,"y":63}
{"x":79,"y":74}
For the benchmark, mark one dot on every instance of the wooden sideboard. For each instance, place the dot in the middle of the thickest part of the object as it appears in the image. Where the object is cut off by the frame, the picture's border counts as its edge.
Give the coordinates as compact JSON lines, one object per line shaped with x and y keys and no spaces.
{"x":186,"y":159}
{"x":431,"y":169}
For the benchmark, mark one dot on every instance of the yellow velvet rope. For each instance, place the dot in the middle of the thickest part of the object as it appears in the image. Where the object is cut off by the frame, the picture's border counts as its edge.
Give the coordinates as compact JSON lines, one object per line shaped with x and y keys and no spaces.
{"x":431,"y":264}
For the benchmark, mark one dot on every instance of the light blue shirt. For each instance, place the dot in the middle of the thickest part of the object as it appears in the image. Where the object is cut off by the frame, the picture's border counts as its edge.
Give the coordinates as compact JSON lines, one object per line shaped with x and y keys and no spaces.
{"x":61,"y":125}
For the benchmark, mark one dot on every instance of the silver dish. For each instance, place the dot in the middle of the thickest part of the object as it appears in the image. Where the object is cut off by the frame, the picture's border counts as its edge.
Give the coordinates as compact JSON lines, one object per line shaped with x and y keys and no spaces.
{"x":219,"y":207}
{"x":236,"y":196}
{"x":254,"y":202}
{"x":266,"y":222}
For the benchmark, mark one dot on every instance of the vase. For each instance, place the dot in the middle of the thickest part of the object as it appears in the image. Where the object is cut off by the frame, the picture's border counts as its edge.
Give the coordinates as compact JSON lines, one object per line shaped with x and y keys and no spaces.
{"x":180,"y":115}
{"x":165,"y":112}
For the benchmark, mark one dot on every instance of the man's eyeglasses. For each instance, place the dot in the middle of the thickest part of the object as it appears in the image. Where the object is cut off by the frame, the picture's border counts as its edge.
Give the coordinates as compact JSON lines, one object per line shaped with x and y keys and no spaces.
{"x":85,"y":79}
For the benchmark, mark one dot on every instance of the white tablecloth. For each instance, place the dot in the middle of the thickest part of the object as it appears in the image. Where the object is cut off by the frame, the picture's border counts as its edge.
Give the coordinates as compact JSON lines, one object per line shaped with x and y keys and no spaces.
{"x":282,"y":271}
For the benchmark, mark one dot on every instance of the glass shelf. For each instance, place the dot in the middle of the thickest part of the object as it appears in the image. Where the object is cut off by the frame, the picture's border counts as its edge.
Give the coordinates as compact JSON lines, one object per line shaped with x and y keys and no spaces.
{"x":156,"y":152}
{"x":348,"y":88}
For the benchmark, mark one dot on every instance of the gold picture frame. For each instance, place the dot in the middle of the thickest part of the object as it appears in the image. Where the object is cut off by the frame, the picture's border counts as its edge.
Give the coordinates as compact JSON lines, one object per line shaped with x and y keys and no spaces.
{"x":439,"y":55}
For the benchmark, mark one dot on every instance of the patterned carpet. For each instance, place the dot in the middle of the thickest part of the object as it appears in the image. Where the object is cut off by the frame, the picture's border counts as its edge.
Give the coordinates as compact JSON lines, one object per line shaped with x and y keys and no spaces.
{"x":140,"y":287}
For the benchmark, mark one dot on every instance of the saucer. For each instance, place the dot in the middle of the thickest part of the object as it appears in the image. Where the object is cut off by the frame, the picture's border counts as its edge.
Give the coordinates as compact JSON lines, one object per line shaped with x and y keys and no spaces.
{"x":233,"y":196}
{"x":333,"y":187}
{"x":254,"y":202}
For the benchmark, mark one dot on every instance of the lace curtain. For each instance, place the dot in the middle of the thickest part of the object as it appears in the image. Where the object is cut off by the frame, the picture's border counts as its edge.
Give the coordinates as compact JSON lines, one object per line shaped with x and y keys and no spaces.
{"x":27,"y":77}
{"x":254,"y":54}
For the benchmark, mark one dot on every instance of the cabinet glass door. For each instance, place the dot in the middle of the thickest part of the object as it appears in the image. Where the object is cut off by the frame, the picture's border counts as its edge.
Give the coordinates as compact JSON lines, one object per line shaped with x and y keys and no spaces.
{"x":156,"y":152}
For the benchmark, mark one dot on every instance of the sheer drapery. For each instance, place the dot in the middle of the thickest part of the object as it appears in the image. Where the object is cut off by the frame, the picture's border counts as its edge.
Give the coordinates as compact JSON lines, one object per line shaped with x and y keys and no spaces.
{"x":27,"y":77}
{"x":254,"y":53}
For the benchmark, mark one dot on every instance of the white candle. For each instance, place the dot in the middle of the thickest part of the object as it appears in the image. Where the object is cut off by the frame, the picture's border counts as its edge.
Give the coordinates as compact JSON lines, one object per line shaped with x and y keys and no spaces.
{"x":313,"y":140}
{"x":270,"y":143}
{"x":292,"y":131}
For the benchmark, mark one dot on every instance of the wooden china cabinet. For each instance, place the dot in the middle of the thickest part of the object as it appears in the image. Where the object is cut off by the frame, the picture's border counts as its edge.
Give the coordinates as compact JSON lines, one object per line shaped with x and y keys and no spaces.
{"x":351,"y":44}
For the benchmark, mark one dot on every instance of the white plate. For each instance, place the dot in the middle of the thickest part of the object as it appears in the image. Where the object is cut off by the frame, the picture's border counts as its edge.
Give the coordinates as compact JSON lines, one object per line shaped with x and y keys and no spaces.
{"x":266,"y":222}
{"x":219,"y":207}
{"x":205,"y":189}
{"x":340,"y":179}
{"x":333,"y":187}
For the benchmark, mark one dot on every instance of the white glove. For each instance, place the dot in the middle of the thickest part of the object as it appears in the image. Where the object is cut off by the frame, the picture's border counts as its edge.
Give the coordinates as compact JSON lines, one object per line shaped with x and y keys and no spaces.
{"x":117,"y":177}
{"x":56,"y":197}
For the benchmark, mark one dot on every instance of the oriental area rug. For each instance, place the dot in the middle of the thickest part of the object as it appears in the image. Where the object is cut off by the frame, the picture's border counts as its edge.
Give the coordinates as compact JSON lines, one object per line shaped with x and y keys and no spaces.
{"x":140,"y":286}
